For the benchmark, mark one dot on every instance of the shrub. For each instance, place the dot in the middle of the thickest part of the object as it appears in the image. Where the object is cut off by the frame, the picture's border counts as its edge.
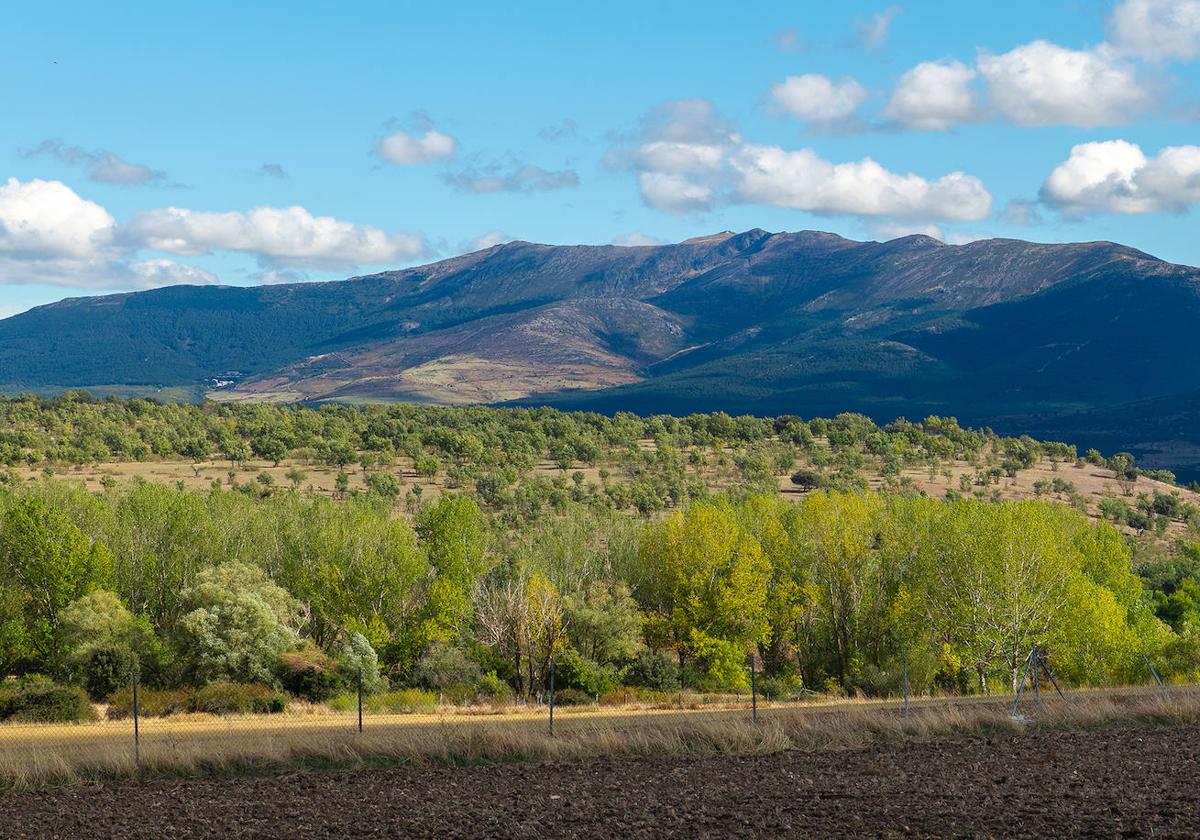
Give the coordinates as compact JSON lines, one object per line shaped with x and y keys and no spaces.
{"x":38,"y":700}
{"x":444,"y":667}
{"x":573,"y":670}
{"x":652,"y":669}
{"x":106,"y":670}
{"x":310,"y":674}
{"x":573,"y":697}
{"x":493,"y":689}
{"x":151,"y":703}
{"x":358,"y":656}
{"x":226,"y":698}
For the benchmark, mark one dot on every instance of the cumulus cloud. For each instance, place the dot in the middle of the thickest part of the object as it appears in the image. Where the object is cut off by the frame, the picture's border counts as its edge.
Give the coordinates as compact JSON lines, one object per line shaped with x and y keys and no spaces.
{"x":1041,"y":84}
{"x":635,"y":239}
{"x":818,"y":99}
{"x":488,"y":240}
{"x":802,"y":180}
{"x":934,"y":96}
{"x":674,"y":193}
{"x":284,"y":235}
{"x":690,"y":158}
{"x":515,"y":177}
{"x":873,"y":32}
{"x":408,"y":148}
{"x":1116,"y":176}
{"x":150,"y":274}
{"x":48,"y":219}
{"x":885,"y":231}
{"x":102,"y":166}
{"x":1157,"y":29}
{"x":679,"y":155}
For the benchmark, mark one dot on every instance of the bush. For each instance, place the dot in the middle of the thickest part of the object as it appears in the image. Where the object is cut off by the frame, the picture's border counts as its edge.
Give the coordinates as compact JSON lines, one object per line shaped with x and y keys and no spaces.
{"x":106,"y":670}
{"x":781,"y":687}
{"x":310,"y":674}
{"x":493,"y":689}
{"x":151,"y":703}
{"x":227,"y":698}
{"x":37,"y":700}
{"x":359,"y":657}
{"x":573,"y":697}
{"x":652,"y":669}
{"x":574,"y":670}
{"x":444,"y":667}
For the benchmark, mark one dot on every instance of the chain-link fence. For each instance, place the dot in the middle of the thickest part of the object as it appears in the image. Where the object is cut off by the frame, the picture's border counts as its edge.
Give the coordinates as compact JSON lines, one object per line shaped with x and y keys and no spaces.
{"x":61,"y":733}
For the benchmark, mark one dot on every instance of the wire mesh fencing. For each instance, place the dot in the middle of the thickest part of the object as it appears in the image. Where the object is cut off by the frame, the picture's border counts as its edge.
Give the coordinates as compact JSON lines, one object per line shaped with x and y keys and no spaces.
{"x":62,"y":732}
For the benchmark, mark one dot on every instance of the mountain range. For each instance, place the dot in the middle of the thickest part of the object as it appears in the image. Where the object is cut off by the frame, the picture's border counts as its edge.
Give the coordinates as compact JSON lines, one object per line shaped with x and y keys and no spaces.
{"x":1088,"y":342}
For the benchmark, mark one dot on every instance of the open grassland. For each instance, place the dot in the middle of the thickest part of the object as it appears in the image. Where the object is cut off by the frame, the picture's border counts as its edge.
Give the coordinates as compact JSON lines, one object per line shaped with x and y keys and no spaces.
{"x":35,"y":755}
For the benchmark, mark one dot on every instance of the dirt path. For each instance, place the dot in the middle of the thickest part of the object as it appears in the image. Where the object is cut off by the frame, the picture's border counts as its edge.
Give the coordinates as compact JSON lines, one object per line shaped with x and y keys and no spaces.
{"x":1128,"y":782}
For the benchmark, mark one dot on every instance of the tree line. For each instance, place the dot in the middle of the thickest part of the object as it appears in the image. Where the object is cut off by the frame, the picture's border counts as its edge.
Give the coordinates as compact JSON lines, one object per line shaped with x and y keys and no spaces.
{"x":828,"y":593}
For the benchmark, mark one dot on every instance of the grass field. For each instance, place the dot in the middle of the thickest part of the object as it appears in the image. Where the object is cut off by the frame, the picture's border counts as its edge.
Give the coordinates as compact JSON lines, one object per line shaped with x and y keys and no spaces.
{"x":33,"y":754}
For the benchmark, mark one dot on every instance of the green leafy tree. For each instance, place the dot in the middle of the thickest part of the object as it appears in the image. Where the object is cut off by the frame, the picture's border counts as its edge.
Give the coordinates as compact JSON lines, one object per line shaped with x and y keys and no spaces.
{"x":47,"y":560}
{"x":238,"y":623}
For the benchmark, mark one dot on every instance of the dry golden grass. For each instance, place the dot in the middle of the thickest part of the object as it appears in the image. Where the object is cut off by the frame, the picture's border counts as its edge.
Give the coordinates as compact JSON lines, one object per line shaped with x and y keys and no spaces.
{"x":34,"y":755}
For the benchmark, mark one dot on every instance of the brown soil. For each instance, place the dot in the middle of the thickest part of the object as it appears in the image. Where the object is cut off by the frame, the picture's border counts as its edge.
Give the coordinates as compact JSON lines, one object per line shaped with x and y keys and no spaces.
{"x":1116,"y":782}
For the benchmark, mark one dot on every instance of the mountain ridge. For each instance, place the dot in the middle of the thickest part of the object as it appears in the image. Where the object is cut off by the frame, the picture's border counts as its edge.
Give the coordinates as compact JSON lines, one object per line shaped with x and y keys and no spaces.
{"x":996,"y":330}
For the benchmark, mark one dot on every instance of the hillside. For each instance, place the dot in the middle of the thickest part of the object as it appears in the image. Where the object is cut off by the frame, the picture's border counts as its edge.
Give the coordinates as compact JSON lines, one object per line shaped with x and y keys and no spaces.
{"x":1016,"y":335}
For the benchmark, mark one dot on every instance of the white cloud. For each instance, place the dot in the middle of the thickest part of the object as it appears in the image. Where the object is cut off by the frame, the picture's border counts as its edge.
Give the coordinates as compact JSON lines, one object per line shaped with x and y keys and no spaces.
{"x":934,"y":96}
{"x":104,"y":167}
{"x":407,"y":148}
{"x":674,"y":193}
{"x":802,"y":180}
{"x":885,"y":231}
{"x":48,"y":219}
{"x":1040,"y":84}
{"x":679,"y":155}
{"x":635,"y":239}
{"x":818,"y":99}
{"x":287,"y":235}
{"x":150,"y":274}
{"x":873,"y":33}
{"x":488,"y":240}
{"x":1157,"y":29}
{"x":517,"y":177}
{"x":1116,"y":177}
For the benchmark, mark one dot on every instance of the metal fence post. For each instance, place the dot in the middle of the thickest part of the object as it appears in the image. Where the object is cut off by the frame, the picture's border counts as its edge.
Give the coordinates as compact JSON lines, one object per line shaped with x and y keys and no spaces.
{"x":904,"y":667}
{"x":1021,"y":686}
{"x":137,"y":735}
{"x":551,"y":698}
{"x":360,"y":700}
{"x":1153,"y":672}
{"x":753,"y":689}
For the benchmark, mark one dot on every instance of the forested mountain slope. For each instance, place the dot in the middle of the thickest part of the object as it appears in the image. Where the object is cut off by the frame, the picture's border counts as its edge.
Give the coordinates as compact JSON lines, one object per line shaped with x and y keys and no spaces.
{"x":1017,"y":335}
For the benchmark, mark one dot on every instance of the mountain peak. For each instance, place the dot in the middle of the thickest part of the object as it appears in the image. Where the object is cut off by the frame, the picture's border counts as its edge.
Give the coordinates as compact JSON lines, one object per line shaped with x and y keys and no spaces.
{"x":709,"y":239}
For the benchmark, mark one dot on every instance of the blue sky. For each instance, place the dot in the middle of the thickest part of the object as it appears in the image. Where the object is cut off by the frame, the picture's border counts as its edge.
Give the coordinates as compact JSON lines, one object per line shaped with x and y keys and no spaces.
{"x":150,"y":143}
